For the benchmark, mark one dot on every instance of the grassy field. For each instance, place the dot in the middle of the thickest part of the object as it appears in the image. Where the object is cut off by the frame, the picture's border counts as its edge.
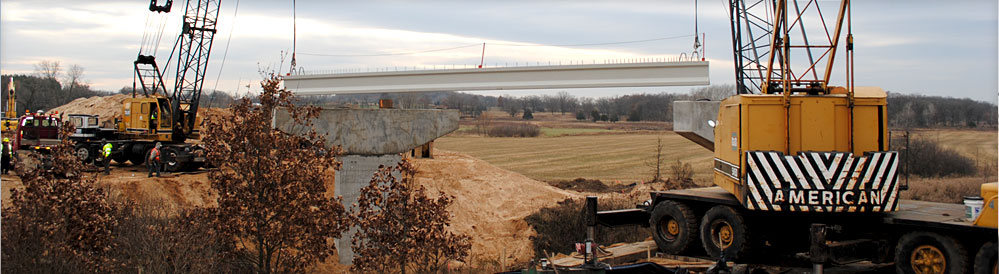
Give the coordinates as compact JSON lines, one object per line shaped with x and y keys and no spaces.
{"x":618,"y":153}
{"x":620,"y":157}
{"x":980,"y":146}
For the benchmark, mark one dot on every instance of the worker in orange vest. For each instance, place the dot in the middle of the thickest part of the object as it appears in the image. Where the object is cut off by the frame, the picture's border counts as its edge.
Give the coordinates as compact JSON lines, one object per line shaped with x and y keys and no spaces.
{"x":154,"y":160}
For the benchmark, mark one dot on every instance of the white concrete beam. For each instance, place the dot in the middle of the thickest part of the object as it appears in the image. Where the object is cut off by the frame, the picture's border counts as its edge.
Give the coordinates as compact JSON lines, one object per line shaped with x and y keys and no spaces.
{"x":540,"y":77}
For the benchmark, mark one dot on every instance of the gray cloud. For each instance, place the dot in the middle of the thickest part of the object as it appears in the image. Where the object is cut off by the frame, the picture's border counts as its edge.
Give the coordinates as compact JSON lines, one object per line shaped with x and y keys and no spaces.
{"x":929,"y":47}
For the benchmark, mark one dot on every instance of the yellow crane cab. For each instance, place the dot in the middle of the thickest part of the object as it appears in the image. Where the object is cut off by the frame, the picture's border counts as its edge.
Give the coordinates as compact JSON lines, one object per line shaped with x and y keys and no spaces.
{"x":146,"y":118}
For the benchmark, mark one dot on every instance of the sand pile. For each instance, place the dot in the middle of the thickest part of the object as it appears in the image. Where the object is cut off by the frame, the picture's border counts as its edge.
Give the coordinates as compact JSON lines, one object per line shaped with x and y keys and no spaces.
{"x":105,"y":106}
{"x":490,"y":203}
{"x":130,"y":182}
{"x":109,"y":107}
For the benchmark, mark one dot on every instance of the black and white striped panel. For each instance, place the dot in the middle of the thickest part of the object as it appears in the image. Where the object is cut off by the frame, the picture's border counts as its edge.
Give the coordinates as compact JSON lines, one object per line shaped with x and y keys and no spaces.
{"x":821,"y":181}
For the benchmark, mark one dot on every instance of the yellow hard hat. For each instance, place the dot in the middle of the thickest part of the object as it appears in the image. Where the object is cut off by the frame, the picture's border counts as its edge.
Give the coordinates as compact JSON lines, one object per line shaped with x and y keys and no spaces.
{"x":6,"y":140}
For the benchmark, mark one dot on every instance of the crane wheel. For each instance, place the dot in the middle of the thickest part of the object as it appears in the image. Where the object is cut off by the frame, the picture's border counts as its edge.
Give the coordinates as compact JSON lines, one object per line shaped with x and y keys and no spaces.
{"x":923,"y":252}
{"x":675,"y":227}
{"x":170,"y":162}
{"x":985,"y":260}
{"x":84,"y":153}
{"x":724,"y":229}
{"x":119,"y":158}
{"x":138,"y":155}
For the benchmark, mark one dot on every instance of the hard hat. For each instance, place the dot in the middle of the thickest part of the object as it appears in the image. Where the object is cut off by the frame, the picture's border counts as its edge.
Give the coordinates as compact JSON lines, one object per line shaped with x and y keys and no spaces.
{"x":6,"y":140}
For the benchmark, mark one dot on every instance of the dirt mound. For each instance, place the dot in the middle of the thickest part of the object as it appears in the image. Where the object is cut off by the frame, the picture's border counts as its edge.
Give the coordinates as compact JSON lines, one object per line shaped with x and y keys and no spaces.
{"x":490,"y":203}
{"x":130,"y":182}
{"x":105,"y":106}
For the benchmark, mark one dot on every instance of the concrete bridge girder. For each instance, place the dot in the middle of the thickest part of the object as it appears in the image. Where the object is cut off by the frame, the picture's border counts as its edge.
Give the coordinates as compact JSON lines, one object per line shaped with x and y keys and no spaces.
{"x":539,"y":77}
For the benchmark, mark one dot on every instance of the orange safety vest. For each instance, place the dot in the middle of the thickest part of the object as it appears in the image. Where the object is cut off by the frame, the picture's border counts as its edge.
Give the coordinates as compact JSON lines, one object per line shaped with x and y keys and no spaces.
{"x":154,"y":154}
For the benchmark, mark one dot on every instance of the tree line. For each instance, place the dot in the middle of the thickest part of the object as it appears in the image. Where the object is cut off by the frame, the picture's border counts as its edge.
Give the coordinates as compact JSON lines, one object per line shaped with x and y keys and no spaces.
{"x":48,"y":87}
{"x":920,"y":111}
{"x":904,"y":110}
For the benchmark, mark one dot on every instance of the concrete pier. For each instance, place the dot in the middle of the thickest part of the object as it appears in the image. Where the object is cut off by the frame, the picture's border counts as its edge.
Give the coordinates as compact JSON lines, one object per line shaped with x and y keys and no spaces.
{"x":354,"y":175}
{"x":370,"y":138}
{"x":377,"y":131}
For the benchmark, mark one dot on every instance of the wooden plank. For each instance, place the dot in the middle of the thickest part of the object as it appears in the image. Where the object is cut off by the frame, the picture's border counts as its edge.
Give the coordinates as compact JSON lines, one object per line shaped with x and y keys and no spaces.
{"x":618,"y":254}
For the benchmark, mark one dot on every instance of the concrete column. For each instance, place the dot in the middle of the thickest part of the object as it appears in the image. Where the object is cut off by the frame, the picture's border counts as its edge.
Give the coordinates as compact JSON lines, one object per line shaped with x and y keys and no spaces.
{"x":355,"y":174}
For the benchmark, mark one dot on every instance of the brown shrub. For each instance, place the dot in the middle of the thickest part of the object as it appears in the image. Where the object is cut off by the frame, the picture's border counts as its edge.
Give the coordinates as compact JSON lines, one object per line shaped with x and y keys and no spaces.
{"x":515,"y":130}
{"x":401,"y":227}
{"x":60,"y":222}
{"x":925,"y":158}
{"x":151,"y":239}
{"x":681,"y":175}
{"x":588,"y":185}
{"x":563,"y":225}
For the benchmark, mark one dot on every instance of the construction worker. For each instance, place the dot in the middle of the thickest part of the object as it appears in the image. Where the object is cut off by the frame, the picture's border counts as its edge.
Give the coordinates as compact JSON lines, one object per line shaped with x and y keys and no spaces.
{"x":154,"y":160}
{"x":152,"y":121}
{"x":106,"y":153}
{"x":8,"y":154}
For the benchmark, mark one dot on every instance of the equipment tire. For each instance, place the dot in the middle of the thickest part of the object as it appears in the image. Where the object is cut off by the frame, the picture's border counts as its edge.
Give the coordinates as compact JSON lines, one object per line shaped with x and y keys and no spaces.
{"x":985,"y":260}
{"x":722,"y":227}
{"x":138,"y":155}
{"x":169,"y":161}
{"x":674,"y":227}
{"x":929,"y":253}
{"x":120,"y":158}
{"x":83,"y":152}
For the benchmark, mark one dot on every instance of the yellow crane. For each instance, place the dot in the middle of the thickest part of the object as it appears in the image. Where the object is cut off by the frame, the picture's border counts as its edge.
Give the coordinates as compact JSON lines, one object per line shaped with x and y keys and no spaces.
{"x":799,"y":161}
{"x":10,"y":115}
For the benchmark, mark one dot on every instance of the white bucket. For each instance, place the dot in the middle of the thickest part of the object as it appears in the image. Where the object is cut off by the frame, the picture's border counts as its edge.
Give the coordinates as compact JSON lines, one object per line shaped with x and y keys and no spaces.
{"x":973,"y":207}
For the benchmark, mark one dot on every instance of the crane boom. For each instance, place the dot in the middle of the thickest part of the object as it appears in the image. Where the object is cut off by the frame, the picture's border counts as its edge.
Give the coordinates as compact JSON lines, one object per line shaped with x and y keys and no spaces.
{"x":194,"y":47}
{"x":765,"y":35}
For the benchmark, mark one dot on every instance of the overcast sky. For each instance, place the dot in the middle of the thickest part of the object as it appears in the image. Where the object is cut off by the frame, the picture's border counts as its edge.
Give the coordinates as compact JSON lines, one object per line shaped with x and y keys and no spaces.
{"x":946,"y":48}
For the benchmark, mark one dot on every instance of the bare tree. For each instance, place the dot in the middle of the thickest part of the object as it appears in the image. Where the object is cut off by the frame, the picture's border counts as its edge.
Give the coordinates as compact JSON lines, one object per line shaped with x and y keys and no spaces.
{"x":271,"y":185}
{"x":658,"y":161}
{"x":713,"y":92}
{"x":48,"y":69}
{"x":73,"y":77}
{"x":563,"y":100}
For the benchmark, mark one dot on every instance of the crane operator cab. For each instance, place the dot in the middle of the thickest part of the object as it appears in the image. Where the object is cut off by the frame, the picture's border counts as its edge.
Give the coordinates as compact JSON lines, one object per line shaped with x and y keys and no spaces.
{"x":147,"y":118}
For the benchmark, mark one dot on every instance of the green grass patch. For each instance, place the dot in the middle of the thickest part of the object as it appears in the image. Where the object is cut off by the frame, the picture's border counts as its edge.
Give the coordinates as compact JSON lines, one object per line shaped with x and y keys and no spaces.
{"x":555,"y":132}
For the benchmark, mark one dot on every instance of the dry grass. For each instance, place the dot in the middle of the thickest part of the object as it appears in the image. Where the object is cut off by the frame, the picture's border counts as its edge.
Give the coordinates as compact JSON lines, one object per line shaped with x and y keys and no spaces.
{"x":982,"y":146}
{"x":944,"y":190}
{"x":607,"y":157}
{"x":621,"y":154}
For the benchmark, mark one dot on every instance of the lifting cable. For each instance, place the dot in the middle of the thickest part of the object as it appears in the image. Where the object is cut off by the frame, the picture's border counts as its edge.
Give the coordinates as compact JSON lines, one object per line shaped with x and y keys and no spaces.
{"x":224,"y":54}
{"x":697,"y":41}
{"x":294,"y":34}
